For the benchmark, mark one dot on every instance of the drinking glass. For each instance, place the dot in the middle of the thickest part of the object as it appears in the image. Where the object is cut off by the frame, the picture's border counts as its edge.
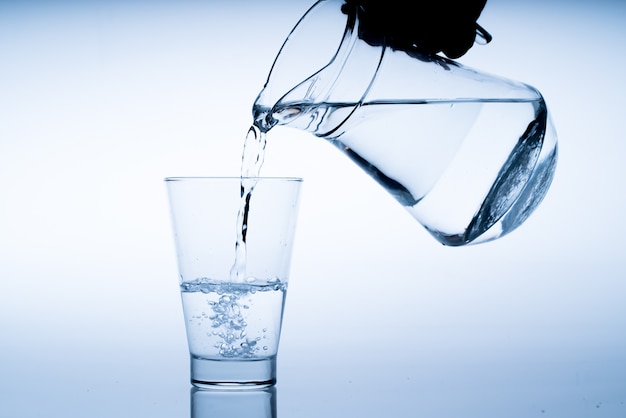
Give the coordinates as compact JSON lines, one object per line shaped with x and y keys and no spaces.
{"x":234,"y":239}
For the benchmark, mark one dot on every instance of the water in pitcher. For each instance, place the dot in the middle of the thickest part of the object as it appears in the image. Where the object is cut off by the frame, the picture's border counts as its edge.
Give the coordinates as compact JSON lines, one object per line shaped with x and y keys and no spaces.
{"x":471,"y":170}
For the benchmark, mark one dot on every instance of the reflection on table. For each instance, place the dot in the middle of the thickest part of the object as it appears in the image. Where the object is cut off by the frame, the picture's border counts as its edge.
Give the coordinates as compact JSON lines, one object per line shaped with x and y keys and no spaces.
{"x":235,"y":403}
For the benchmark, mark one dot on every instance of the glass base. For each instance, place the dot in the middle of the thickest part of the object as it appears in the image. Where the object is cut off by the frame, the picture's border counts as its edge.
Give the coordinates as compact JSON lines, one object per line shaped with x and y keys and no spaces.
{"x":233,"y":373}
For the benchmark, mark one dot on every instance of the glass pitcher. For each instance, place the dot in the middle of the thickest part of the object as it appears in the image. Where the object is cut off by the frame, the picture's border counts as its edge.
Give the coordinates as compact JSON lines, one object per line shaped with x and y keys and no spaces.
{"x":469,"y":155}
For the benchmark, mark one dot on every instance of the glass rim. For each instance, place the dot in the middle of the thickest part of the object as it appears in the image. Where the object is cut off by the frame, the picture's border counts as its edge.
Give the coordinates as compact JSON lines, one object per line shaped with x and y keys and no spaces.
{"x":230,"y":178}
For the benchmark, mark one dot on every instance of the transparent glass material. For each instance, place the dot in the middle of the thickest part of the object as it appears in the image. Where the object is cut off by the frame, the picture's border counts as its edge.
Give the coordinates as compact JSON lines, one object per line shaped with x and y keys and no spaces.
{"x":468,"y":154}
{"x":234,"y":253}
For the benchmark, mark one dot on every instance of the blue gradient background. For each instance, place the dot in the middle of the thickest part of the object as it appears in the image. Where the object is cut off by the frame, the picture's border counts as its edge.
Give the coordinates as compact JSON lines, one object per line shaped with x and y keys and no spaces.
{"x":101,"y":100}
